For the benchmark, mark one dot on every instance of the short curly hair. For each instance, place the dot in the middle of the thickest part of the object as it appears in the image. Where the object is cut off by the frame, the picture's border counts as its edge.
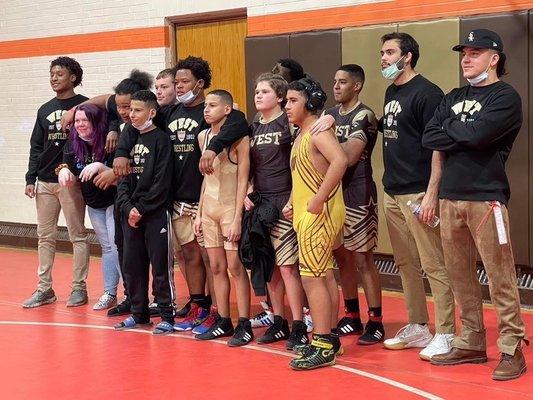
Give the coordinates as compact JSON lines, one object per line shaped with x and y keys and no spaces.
{"x":198,"y":67}
{"x":138,"y":80}
{"x":72,"y":65}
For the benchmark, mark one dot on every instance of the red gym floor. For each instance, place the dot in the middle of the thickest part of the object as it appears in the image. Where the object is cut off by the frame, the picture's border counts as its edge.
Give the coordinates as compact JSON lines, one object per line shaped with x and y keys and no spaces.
{"x":54,"y":352}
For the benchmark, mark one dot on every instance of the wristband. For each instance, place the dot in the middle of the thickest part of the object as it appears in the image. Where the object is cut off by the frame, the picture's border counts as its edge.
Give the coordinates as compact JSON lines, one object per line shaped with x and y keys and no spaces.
{"x":60,"y":167}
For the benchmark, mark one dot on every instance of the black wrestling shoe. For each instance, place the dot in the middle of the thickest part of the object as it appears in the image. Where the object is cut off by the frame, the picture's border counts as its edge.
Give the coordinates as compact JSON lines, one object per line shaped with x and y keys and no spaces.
{"x":278,"y":331}
{"x":221,"y":328}
{"x":374,"y":333}
{"x":122,"y":308}
{"x":298,"y":335}
{"x":243,"y":334}
{"x":350,"y":326}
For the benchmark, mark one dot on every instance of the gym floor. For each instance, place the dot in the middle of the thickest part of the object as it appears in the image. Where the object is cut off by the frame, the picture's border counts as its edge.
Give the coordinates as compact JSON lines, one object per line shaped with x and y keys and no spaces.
{"x":55,"y":352}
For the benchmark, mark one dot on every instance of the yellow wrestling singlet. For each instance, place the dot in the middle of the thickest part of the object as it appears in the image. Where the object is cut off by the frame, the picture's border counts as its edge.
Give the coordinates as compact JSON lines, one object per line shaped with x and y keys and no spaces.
{"x":316,"y":233}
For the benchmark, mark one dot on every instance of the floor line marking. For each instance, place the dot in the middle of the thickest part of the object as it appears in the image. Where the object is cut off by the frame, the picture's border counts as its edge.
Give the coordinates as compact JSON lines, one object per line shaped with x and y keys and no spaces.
{"x":354,"y":371}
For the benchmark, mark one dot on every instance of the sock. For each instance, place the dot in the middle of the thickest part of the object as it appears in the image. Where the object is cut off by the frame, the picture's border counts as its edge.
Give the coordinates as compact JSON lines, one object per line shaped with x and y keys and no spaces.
{"x":374,"y":311}
{"x":196,"y":297}
{"x":352,"y":306}
{"x":326,"y":337}
{"x":242,"y":320}
{"x":200,"y":300}
{"x":209,"y":300}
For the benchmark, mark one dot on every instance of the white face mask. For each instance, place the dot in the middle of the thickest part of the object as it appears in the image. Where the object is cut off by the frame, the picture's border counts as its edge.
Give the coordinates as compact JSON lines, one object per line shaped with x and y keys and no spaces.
{"x":392,"y":71}
{"x":188,"y":97}
{"x":144,"y":126}
{"x":480,"y":78}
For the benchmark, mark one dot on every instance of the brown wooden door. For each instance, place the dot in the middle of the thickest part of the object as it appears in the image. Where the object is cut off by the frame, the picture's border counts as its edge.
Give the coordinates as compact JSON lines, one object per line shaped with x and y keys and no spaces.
{"x":222,"y":45}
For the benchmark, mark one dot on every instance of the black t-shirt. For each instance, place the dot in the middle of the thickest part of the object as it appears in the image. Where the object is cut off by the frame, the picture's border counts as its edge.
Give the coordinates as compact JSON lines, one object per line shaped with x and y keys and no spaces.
{"x":47,"y":140}
{"x":406,"y":111}
{"x":183,"y":124}
{"x":270,"y":154}
{"x":476,"y":127}
{"x":113,"y":117}
{"x":359,"y":123}
{"x":93,"y":196}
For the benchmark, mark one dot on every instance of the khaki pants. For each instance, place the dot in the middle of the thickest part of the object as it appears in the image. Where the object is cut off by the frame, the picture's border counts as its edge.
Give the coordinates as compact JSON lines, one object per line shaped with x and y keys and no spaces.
{"x":467,"y":226}
{"x":417,"y":248}
{"x":50,"y":198}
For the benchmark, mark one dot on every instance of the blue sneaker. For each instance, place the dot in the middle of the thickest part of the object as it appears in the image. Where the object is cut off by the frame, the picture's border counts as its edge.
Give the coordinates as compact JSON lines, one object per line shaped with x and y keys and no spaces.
{"x":208,"y":322}
{"x":196,"y":316}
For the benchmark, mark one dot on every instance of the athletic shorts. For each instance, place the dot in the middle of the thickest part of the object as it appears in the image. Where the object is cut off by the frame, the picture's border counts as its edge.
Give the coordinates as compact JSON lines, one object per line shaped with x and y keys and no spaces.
{"x":360,"y":231}
{"x":183,"y":216}
{"x":282,"y":234}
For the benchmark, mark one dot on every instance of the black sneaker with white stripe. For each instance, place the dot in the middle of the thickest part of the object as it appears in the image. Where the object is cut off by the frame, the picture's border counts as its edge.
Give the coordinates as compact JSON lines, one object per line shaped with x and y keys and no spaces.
{"x":221,"y":328}
{"x":374,"y":333}
{"x":350,"y":326}
{"x":243,"y":333}
{"x":278,"y":331}
{"x":298,"y":335}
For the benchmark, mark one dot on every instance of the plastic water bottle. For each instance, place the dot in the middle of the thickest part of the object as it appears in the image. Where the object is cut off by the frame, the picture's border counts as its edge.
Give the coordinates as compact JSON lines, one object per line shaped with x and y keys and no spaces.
{"x":415,"y":209}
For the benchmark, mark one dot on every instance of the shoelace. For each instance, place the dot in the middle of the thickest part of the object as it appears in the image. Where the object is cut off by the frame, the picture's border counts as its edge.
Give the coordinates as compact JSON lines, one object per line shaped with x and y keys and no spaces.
{"x":104,"y":299}
{"x":262,"y":315}
{"x":193,"y":314}
{"x":306,"y":351}
{"x":507,"y":358}
{"x":239,"y":331}
{"x":210,"y":320}
{"x":293,"y":336}
{"x":403,"y":332}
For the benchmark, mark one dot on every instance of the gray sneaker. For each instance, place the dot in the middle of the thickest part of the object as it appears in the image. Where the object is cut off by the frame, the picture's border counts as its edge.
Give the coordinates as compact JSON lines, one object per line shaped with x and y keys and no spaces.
{"x":78,"y":297}
{"x":40,"y":298}
{"x":107,"y":300}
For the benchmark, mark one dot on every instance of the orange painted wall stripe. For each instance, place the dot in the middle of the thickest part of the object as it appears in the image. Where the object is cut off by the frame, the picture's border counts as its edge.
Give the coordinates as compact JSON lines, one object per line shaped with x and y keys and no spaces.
{"x":337,"y":17}
{"x":377,"y":13}
{"x":126,"y":39}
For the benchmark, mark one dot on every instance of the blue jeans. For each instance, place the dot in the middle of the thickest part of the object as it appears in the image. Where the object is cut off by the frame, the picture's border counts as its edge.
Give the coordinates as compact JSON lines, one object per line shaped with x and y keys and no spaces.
{"x":104,"y":226}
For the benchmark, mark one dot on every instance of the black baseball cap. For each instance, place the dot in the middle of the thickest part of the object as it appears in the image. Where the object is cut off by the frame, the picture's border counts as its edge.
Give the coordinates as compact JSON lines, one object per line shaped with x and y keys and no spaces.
{"x":481,"y":39}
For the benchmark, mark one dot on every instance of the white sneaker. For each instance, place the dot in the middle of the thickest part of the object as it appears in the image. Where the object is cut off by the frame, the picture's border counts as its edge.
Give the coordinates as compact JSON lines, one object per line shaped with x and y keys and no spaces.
{"x":308,"y":321}
{"x":411,"y":335}
{"x":105,"y":301}
{"x":441,"y":344}
{"x":264,"y":318}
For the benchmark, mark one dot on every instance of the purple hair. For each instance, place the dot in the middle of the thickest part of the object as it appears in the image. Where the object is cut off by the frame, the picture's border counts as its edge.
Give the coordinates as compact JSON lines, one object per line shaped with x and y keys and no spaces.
{"x":98,"y":119}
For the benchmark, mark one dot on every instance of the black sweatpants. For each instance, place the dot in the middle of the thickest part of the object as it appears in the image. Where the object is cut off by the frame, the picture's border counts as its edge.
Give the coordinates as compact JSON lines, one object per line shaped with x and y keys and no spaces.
{"x":151,"y":243}
{"x":119,"y":241}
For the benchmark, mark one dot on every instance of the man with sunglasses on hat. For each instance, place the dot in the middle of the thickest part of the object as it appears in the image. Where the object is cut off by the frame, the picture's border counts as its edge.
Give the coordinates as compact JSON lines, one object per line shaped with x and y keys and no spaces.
{"x":475,"y":126}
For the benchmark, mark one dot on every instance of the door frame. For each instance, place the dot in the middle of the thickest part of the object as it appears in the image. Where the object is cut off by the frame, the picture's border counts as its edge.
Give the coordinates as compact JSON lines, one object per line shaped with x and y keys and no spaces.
{"x":174,"y":22}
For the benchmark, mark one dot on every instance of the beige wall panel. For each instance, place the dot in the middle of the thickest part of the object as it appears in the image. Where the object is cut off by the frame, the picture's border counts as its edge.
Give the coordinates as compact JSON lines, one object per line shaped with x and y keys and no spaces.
{"x":222,"y":44}
{"x":437,"y":61}
{"x":361,"y":46}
